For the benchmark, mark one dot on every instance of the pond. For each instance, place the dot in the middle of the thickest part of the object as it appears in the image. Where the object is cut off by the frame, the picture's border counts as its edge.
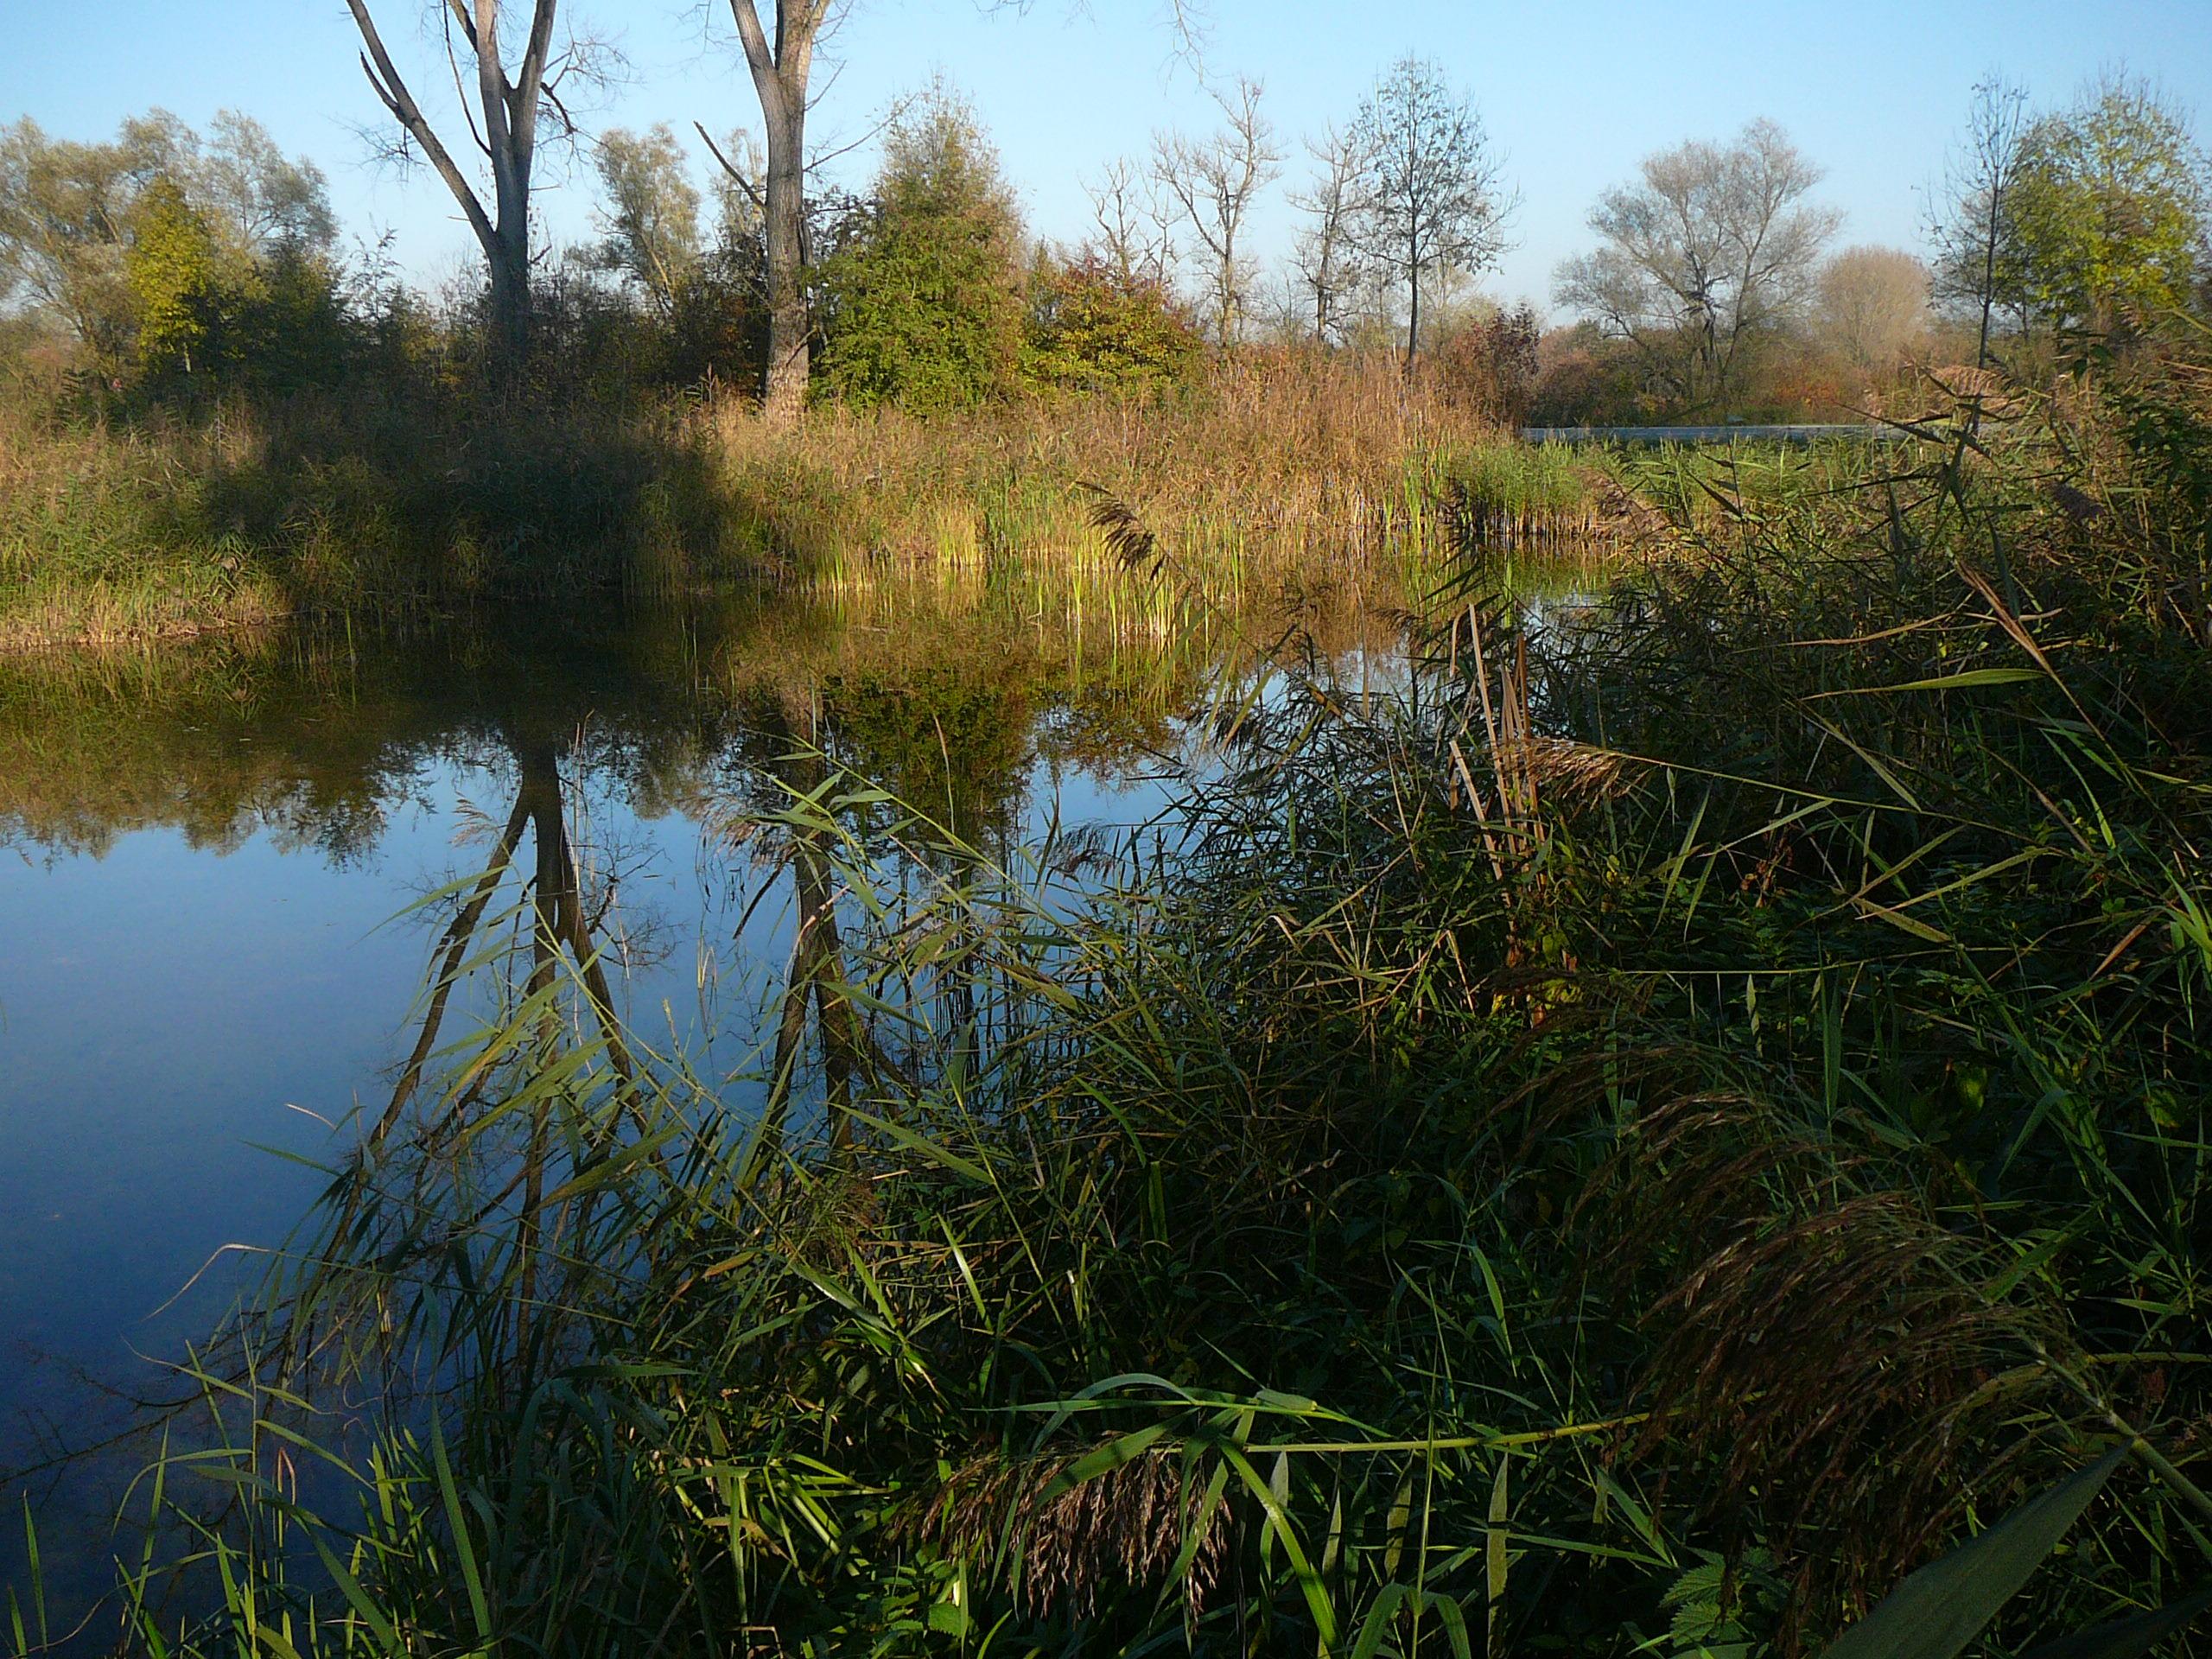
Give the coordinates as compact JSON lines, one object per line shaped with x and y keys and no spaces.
{"x":233,"y":875}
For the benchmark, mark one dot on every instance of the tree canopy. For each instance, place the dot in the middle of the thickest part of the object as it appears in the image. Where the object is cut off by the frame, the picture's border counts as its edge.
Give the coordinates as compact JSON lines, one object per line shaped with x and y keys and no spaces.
{"x":1431,"y":197}
{"x":2107,"y":215}
{"x":923,"y":301}
{"x":133,"y":245}
{"x":1710,"y":249}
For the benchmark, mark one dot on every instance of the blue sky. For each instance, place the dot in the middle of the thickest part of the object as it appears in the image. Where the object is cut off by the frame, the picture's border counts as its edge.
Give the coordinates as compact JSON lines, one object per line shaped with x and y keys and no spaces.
{"x":1574,"y":96}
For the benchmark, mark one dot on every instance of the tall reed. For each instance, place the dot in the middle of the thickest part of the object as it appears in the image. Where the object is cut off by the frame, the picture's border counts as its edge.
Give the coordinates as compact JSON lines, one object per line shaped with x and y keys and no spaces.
{"x":1628,"y":1137}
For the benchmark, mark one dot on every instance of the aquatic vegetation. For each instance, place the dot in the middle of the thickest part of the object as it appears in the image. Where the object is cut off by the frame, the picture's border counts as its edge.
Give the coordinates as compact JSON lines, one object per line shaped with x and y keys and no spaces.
{"x":1268,"y":468}
{"x":1633,"y":1135}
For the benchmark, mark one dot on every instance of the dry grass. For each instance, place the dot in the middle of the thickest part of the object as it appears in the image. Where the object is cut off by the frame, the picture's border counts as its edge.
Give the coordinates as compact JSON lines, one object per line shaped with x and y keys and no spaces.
{"x":1267,"y":456}
{"x":1265,"y":466}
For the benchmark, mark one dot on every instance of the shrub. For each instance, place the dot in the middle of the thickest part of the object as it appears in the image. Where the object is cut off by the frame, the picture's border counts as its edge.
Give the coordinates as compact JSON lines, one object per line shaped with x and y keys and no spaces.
{"x":923,"y":303}
{"x":1091,"y":328}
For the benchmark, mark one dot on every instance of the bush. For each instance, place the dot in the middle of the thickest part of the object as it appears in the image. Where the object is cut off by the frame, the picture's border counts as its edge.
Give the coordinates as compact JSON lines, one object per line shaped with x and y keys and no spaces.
{"x":922,"y":305}
{"x":1094,"y":328}
{"x":1489,"y":367}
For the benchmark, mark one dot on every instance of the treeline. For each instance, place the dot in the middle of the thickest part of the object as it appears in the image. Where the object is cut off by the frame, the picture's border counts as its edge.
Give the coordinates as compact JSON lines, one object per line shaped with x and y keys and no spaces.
{"x":168,"y":266}
{"x":2055,"y":235}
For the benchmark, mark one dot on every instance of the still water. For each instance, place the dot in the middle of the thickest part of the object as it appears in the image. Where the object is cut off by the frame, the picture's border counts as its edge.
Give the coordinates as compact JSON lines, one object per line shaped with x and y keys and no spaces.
{"x":230,"y":874}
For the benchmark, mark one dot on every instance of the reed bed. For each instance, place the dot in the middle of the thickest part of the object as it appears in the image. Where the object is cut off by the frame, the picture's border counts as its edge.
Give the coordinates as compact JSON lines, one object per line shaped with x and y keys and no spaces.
{"x":1288,"y":460}
{"x":1636,"y":1137}
{"x":115,"y":531}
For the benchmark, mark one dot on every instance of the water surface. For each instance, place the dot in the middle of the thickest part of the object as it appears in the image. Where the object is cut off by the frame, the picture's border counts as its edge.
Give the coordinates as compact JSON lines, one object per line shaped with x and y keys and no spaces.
{"x":227,"y":876}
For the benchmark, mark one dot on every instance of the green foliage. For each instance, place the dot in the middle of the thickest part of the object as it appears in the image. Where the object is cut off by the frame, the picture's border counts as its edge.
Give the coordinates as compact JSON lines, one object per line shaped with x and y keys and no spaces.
{"x":1091,"y":329}
{"x":71,"y":214}
{"x":177,"y":281}
{"x":2109,"y":216}
{"x":922,"y":302}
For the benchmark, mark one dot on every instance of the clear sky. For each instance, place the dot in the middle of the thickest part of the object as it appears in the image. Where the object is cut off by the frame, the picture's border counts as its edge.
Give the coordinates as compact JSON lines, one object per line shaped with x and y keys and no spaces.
{"x":1573,"y":95}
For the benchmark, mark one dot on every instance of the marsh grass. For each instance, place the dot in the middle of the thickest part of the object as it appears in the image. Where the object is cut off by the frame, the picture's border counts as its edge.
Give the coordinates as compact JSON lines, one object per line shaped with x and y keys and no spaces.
{"x":1629,"y":1137}
{"x":115,"y":530}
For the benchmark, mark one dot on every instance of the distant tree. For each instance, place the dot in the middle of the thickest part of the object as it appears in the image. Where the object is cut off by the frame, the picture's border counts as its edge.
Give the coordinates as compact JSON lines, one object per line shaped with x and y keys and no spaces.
{"x":1872,"y":304}
{"x":1213,"y":182}
{"x":1971,"y":225}
{"x":1714,"y":249}
{"x":70,"y":215}
{"x":267,"y":201}
{"x":2106,"y":220}
{"x":1134,"y":234}
{"x":64,"y":212}
{"x":174,"y":271}
{"x":510,"y":102}
{"x":924,"y":303}
{"x":1430,"y":197}
{"x":650,"y":215}
{"x":1329,"y":269}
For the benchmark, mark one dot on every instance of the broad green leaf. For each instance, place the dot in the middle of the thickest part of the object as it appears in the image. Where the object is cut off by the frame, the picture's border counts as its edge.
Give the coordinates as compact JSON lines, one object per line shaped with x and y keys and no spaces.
{"x":1941,"y":1608}
{"x":1394,"y":1601}
{"x":2124,"y":1638}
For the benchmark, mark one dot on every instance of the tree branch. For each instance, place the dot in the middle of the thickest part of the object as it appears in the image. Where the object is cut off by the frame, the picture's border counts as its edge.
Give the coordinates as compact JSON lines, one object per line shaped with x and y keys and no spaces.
{"x":742,"y":182}
{"x":391,"y":92}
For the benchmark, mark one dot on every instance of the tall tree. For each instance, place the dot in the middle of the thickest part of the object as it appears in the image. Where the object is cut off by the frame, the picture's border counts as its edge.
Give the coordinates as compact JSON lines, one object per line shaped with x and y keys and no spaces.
{"x":1328,"y":267}
{"x":509,"y":103}
{"x":1431,"y":200}
{"x":2107,"y":218}
{"x":781,"y":69}
{"x":1713,"y":249}
{"x":1970,"y":226}
{"x":1213,"y":182}
{"x":651,"y":218}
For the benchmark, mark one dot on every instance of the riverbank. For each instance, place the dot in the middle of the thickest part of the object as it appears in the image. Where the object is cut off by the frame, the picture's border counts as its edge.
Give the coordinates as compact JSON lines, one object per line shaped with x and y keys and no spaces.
{"x":115,"y":530}
{"x":1649,"y":1127}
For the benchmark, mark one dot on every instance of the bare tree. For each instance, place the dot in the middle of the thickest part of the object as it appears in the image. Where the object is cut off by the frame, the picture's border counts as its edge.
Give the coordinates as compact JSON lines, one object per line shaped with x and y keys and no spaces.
{"x":1134,"y":236}
{"x":1968,"y":223}
{"x":1713,"y":248}
{"x":1329,"y":269}
{"x":1430,"y":197}
{"x":509,"y":103}
{"x":781,"y":70}
{"x":1213,"y":182}
{"x":1873,"y":304}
